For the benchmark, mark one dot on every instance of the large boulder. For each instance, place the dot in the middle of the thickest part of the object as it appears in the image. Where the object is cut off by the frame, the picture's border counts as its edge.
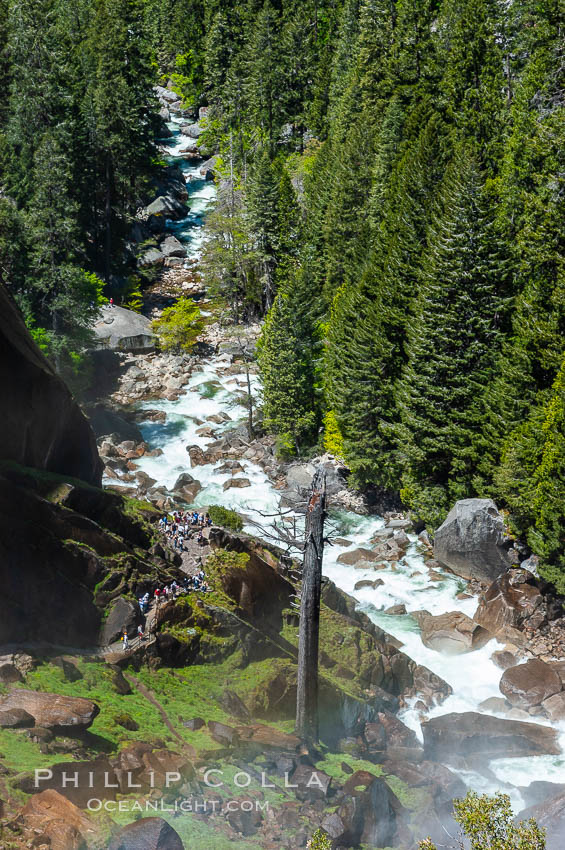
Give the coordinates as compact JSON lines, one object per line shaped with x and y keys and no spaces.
{"x":147,"y":834}
{"x":187,"y":487}
{"x":124,"y":330}
{"x":151,"y":257}
{"x":356,"y":556}
{"x":172,"y":247}
{"x":124,"y":614}
{"x":451,"y":736}
{"x":193,"y":131}
{"x":52,"y":710}
{"x":208,"y":168}
{"x":56,"y":822}
{"x":452,"y":633}
{"x":165,"y":207}
{"x":471,"y":540}
{"x":15,"y":718}
{"x":529,"y":684}
{"x":549,"y":815}
{"x":508,"y":603}
{"x":41,"y":425}
{"x":299,"y":476}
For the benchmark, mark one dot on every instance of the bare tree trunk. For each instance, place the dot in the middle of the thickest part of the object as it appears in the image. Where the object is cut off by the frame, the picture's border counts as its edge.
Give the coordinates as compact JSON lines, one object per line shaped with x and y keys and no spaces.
{"x":308,"y":641}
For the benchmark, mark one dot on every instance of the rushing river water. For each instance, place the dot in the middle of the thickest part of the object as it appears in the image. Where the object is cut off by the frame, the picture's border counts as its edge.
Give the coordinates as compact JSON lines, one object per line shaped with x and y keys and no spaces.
{"x":473,"y":676}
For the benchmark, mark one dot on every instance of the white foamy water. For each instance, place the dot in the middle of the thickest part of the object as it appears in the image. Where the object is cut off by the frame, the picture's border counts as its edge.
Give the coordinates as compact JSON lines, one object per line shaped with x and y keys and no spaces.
{"x":201,"y":192}
{"x":473,"y":676}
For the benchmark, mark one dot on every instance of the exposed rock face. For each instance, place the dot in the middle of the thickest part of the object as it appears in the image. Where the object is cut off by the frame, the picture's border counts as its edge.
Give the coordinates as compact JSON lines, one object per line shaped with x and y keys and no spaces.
{"x":41,"y":425}
{"x":124,"y":330}
{"x":509,"y":603}
{"x":550,"y":815}
{"x":555,"y":706}
{"x":147,"y":834}
{"x":257,"y":589}
{"x":123,"y":615}
{"x":56,"y":822}
{"x":15,"y":718}
{"x":104,"y":421}
{"x":529,"y":684}
{"x":470,"y":541}
{"x":187,"y":487}
{"x":358,"y":555}
{"x":300,"y":476}
{"x":52,"y":710}
{"x":452,"y":633}
{"x":472,"y":734}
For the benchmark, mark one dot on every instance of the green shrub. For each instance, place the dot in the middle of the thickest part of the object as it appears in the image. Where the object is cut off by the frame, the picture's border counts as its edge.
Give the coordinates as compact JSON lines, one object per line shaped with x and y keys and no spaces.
{"x":225,"y":517}
{"x":488,"y":822}
{"x":179,"y":326}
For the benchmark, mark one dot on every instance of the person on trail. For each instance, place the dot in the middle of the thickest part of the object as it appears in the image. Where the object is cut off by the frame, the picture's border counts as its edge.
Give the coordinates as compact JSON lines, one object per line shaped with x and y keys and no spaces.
{"x":111,"y":302}
{"x":140,"y":633}
{"x":125,"y":640}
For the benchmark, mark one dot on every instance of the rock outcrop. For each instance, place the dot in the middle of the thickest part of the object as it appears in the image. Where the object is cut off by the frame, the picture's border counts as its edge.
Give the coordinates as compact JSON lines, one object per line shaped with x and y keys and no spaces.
{"x":529,"y":684}
{"x":549,"y":815}
{"x":124,"y":330}
{"x":52,"y":710}
{"x":55,"y":822}
{"x":512,"y":601}
{"x":471,"y":540}
{"x":452,"y":633}
{"x":147,"y":834}
{"x":452,"y":736}
{"x":41,"y":425}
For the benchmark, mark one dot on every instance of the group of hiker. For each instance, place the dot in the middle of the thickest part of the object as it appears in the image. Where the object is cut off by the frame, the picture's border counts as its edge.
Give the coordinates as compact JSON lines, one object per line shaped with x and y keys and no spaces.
{"x":184,"y":527}
{"x":177,"y":528}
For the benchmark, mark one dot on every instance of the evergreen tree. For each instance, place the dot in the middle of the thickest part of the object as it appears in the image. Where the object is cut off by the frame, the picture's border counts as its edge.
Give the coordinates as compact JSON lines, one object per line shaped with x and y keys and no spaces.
{"x":367,"y":328}
{"x":452,"y":345}
{"x":123,"y":122}
{"x":265,"y":88}
{"x":262,"y":210}
{"x":286,"y":360}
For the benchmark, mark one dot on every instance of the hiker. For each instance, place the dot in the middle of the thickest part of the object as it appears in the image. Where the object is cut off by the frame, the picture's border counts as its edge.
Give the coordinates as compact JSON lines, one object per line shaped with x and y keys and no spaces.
{"x":111,"y":302}
{"x":140,"y":633}
{"x":125,"y":640}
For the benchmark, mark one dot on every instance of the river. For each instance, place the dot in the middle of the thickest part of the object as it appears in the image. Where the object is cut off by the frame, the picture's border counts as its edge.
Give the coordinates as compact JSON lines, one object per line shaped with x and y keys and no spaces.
{"x":473,"y":676}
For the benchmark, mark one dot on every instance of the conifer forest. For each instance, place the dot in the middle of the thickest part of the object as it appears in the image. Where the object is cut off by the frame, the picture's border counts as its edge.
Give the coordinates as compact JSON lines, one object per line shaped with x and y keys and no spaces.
{"x":391,"y":205}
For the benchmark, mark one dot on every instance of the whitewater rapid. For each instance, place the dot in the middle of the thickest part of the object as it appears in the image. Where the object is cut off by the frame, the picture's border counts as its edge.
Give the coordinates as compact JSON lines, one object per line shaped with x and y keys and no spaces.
{"x":473,"y":676}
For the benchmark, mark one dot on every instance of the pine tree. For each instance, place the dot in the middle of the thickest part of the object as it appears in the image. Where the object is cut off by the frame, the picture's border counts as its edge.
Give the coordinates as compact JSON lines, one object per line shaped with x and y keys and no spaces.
{"x":286,"y":361}
{"x":365,"y":351}
{"x":452,"y":344}
{"x":123,"y":122}
{"x":262,"y":213}
{"x":265,"y":85}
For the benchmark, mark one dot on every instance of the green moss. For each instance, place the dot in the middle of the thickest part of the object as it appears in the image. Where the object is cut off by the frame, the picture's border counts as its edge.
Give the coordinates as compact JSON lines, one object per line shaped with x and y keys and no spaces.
{"x":331,"y":764}
{"x":415,"y":799}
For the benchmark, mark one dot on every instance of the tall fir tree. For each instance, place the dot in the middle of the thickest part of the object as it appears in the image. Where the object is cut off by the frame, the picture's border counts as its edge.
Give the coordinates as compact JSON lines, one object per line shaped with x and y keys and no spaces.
{"x":452,"y":345}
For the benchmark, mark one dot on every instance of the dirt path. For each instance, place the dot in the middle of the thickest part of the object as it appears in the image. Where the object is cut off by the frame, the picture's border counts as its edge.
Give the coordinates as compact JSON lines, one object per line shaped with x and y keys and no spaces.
{"x":150,"y":697}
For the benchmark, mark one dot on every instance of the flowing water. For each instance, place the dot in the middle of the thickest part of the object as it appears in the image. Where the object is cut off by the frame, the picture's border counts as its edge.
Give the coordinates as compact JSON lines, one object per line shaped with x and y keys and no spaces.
{"x":473,"y":676}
